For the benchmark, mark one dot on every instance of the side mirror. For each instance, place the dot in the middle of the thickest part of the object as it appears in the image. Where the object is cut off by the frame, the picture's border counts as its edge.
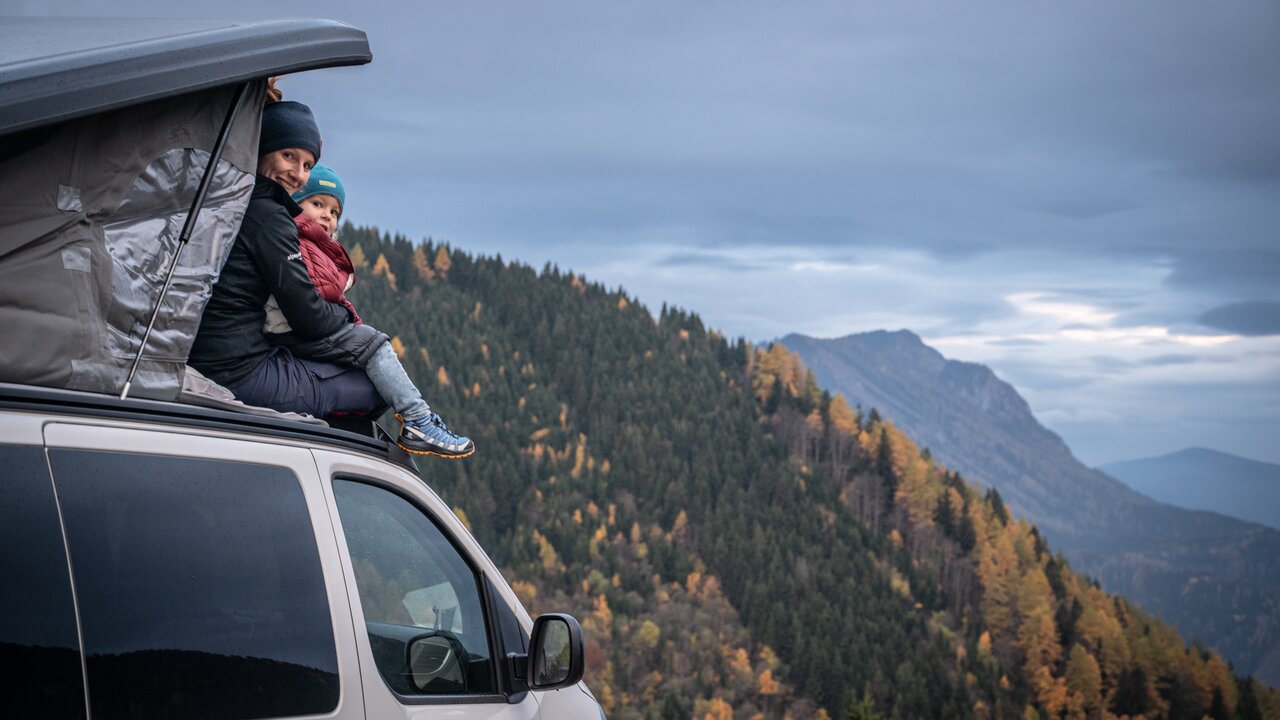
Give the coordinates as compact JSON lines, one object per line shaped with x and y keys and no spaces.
{"x":556,"y":654}
{"x":434,"y":661}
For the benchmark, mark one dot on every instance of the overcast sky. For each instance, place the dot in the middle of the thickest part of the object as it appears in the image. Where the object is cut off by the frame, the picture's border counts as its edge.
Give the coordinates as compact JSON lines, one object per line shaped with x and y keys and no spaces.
{"x":1084,"y":196}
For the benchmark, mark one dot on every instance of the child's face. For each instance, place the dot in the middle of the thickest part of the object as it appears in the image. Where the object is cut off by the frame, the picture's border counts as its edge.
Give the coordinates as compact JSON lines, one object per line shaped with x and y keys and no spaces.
{"x":324,"y":209}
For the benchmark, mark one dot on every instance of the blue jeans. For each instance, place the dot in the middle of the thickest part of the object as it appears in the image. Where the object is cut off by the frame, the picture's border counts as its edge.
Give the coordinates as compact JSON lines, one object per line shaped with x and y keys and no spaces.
{"x":394,"y":385}
{"x":291,"y":384}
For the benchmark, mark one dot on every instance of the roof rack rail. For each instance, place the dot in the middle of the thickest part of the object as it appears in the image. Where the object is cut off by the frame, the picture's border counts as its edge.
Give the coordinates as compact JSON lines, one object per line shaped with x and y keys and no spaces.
{"x":376,"y":442}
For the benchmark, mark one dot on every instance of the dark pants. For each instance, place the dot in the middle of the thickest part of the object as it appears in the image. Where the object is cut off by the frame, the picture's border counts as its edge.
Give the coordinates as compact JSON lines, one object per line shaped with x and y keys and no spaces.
{"x":292,"y":384}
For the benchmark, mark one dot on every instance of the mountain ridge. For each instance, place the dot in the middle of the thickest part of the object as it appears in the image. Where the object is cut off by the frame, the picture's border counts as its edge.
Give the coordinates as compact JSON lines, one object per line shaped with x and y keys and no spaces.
{"x":1178,"y":563}
{"x":1205,"y":479}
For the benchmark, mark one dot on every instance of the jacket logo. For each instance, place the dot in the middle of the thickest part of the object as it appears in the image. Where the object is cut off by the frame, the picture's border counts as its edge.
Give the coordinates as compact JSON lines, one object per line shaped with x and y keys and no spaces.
{"x":295,"y":256}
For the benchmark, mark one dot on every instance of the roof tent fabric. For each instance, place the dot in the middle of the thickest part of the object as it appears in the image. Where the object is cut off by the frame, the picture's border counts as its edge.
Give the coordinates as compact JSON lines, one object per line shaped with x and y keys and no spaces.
{"x":105,"y":131}
{"x":56,"y":69}
{"x":90,"y":213}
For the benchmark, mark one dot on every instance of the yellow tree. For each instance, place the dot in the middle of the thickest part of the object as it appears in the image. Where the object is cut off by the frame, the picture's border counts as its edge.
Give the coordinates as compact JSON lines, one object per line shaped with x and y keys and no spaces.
{"x":1038,"y":636}
{"x":357,"y":257}
{"x":844,"y":436}
{"x":442,"y":263}
{"x":901,"y":448}
{"x":998,"y":568}
{"x":1101,"y":631}
{"x":1219,"y":677}
{"x":772,"y":367}
{"x":422,"y":264}
{"x":383,"y":268}
{"x":916,"y":490}
{"x":843,"y":419}
{"x":1084,"y":682}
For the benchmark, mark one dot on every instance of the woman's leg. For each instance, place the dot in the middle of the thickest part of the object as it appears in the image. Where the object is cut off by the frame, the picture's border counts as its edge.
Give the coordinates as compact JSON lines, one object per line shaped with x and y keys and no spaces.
{"x":291,"y":384}
{"x":394,"y":385}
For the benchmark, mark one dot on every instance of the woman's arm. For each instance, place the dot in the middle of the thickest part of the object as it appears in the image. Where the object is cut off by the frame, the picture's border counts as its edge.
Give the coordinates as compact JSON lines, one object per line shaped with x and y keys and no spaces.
{"x":279,"y":260}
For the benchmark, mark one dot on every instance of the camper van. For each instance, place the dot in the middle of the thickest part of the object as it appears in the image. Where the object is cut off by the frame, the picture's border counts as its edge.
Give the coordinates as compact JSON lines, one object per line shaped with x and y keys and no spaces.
{"x":164,"y":550}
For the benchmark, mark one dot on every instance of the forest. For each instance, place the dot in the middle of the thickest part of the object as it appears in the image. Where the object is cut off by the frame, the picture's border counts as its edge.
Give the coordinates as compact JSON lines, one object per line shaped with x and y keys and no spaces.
{"x":738,"y":542}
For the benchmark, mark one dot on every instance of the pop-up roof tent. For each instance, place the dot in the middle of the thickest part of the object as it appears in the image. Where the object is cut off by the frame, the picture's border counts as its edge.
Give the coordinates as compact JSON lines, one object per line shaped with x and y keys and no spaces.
{"x":127,"y":158}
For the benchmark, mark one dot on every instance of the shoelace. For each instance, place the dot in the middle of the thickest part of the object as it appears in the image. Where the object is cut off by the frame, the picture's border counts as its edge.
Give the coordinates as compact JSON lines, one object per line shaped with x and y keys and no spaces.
{"x":436,"y":420}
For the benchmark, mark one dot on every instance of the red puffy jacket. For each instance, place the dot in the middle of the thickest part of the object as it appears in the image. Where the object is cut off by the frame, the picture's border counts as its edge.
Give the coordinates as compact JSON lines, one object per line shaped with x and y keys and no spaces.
{"x":327,"y":263}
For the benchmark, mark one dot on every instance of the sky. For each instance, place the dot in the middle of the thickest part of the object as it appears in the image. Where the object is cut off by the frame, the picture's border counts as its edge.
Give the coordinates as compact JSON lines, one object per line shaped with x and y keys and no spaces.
{"x":1083,"y":196}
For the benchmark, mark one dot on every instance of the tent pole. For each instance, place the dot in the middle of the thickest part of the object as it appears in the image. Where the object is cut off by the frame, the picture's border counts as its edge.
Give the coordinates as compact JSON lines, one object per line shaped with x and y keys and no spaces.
{"x":201,"y":191}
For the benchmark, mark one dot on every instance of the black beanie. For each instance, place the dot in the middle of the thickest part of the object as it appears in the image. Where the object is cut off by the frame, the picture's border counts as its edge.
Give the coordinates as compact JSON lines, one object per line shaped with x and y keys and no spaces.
{"x":288,"y":124}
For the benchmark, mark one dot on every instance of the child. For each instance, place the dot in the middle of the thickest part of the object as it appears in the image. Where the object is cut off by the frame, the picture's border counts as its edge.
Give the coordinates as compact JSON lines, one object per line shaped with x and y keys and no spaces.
{"x":422,"y":431}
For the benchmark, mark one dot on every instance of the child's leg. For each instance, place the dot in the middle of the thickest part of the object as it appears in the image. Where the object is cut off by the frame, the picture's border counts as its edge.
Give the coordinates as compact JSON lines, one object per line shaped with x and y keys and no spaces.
{"x":393,"y":383}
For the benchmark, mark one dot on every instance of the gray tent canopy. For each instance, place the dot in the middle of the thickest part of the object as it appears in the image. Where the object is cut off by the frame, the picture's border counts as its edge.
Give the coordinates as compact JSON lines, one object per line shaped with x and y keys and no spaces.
{"x":127,"y":157}
{"x":53,"y":70}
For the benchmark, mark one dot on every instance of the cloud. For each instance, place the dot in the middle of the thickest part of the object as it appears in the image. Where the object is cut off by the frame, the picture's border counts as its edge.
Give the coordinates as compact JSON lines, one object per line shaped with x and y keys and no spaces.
{"x":1248,"y":271}
{"x":1176,"y":359}
{"x":1110,"y":363}
{"x":698,"y":259}
{"x":828,"y":266}
{"x":1253,"y":318}
{"x":1073,"y":314}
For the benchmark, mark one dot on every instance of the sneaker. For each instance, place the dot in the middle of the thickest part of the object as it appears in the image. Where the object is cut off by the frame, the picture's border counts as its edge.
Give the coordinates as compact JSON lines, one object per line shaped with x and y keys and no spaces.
{"x":430,"y":436}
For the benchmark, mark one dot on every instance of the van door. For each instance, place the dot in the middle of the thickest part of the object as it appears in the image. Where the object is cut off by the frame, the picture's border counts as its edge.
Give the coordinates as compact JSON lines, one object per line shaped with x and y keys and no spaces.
{"x":201,"y":586}
{"x":432,"y":644}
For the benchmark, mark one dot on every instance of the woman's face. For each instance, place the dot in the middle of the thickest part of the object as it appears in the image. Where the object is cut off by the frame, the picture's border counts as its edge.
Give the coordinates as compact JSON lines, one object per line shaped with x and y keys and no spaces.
{"x":291,"y":167}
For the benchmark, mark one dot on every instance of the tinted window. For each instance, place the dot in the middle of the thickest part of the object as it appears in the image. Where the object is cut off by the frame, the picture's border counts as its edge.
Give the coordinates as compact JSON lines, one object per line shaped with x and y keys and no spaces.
{"x":422,"y":602}
{"x":199,"y":586}
{"x":40,"y":672}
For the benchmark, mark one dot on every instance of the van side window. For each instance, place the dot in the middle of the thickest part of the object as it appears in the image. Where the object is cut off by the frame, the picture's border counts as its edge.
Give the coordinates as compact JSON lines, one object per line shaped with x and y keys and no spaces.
{"x":422,"y":601}
{"x":41,"y":669}
{"x":199,"y":586}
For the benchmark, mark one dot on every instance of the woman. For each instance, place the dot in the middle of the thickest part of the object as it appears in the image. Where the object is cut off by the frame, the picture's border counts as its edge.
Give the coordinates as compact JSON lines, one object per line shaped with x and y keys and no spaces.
{"x":265,"y":261}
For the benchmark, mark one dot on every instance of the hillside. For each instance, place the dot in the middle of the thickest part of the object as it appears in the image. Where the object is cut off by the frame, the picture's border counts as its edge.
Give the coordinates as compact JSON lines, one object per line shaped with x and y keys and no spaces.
{"x":1203,"y":479}
{"x":1214,"y":577}
{"x":736,"y":543}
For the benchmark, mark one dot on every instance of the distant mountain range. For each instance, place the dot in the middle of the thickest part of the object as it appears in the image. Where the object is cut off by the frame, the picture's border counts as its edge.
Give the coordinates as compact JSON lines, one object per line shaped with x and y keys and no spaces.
{"x":1215,"y":577}
{"x":1203,"y":479}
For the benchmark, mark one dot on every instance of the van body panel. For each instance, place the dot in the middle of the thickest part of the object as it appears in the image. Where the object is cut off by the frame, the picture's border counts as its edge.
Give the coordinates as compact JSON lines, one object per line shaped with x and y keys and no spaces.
{"x":138,"y":436}
{"x":133,"y":439}
{"x":21,"y":428}
{"x":382,"y":701}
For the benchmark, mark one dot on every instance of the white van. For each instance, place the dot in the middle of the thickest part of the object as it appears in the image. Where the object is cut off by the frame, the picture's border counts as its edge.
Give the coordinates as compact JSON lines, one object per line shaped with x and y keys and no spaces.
{"x":165,"y":559}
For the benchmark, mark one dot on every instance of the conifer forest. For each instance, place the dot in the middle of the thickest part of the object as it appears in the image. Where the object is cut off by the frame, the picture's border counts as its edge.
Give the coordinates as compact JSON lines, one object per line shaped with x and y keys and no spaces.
{"x":737,"y":542}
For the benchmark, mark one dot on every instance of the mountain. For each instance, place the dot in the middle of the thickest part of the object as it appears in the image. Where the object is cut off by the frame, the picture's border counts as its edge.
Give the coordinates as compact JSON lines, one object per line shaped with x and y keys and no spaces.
{"x":1203,"y":479}
{"x":736,"y":542}
{"x":1216,"y":578}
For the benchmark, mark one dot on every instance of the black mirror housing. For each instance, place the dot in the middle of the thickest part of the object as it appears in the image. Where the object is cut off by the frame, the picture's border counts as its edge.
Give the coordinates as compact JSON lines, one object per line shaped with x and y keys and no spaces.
{"x":556,"y":656}
{"x":434,"y":663}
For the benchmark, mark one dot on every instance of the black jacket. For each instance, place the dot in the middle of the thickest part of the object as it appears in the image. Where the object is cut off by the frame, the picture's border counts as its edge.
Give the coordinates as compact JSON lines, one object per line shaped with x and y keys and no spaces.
{"x":264,"y":261}
{"x":351,"y":346}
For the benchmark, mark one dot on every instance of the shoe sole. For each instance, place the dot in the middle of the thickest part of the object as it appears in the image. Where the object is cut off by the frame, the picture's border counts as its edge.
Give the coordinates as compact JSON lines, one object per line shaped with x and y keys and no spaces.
{"x":455,"y":456}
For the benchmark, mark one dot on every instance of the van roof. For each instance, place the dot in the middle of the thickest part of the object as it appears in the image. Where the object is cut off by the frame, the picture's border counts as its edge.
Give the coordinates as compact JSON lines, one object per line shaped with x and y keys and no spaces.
{"x":56,"y":69}
{"x":29,"y":398}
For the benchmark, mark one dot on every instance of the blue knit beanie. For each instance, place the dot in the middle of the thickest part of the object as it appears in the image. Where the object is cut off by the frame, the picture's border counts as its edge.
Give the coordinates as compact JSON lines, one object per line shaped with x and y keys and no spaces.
{"x":288,"y":124}
{"x":324,"y":181}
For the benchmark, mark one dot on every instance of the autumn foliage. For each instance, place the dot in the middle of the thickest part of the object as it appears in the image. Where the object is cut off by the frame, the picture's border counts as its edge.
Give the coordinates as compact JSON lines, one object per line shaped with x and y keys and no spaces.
{"x":738,"y":543}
